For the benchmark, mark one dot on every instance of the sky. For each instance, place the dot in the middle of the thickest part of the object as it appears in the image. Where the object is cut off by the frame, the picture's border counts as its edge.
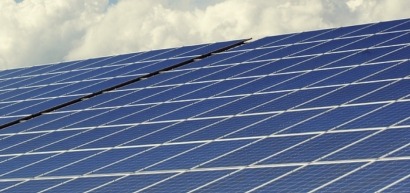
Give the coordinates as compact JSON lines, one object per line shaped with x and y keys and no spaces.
{"x":47,"y":31}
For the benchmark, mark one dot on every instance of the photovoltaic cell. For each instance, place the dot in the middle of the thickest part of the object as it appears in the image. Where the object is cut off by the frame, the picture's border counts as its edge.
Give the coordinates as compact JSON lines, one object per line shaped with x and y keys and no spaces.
{"x":123,"y":135}
{"x":222,"y":127}
{"x":398,"y":187}
{"x":81,"y":184}
{"x":146,"y":159}
{"x":200,"y":155}
{"x":249,"y":178}
{"x":254,"y":152}
{"x":313,"y":149}
{"x":312,"y":176}
{"x":187,"y":181}
{"x":371,"y":178}
{"x":35,"y":185}
{"x":320,"y":111}
{"x":375,"y":146}
{"x":133,"y":183}
{"x":80,"y":138}
{"x":275,"y":123}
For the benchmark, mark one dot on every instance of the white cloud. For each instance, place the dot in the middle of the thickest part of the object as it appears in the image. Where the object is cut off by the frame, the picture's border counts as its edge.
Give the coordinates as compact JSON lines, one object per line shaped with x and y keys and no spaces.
{"x":40,"y":31}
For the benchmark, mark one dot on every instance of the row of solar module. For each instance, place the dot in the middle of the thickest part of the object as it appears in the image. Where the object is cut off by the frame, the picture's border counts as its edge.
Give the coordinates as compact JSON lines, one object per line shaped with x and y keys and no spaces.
{"x":341,"y":146}
{"x":337,"y":45}
{"x":53,"y":136}
{"x":148,"y":95}
{"x":311,"y":36}
{"x":155,"y":55}
{"x":394,"y":71}
{"x":222,"y":106}
{"x":291,"y":80}
{"x":276,"y":85}
{"x":267,"y":102}
{"x":34,"y":106}
{"x":284,"y":150}
{"x":61,"y":89}
{"x":75,"y":76}
{"x":205,"y":74}
{"x":152,"y":55}
{"x":382,"y":173}
{"x":347,"y":42}
{"x":133,"y":69}
{"x":278,"y":100}
{"x":246,"y":85}
{"x":398,"y":25}
{"x":107,"y":63}
{"x":51,"y":95}
{"x":300,"y":63}
{"x":261,"y":54}
{"x":195,"y":129}
{"x":294,"y":63}
{"x":280,"y":66}
{"x":183,"y":93}
{"x":24,"y":95}
{"x":142,"y":67}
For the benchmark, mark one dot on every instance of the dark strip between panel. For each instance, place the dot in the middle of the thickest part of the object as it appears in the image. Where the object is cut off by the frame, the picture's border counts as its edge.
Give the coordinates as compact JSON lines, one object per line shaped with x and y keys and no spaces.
{"x":240,"y":42}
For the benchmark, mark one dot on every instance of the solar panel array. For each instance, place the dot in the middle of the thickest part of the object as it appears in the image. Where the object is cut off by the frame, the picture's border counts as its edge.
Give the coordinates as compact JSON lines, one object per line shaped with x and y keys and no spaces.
{"x":27,"y":91}
{"x":320,"y":111}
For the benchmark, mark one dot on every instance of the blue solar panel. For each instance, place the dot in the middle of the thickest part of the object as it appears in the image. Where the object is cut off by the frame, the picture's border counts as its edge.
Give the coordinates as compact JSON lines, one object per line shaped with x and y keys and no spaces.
{"x":320,"y":111}
{"x":71,"y":79}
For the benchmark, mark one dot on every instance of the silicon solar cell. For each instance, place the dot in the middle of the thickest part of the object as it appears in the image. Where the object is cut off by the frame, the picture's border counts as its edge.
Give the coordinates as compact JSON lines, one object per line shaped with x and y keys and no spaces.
{"x":311,"y":175}
{"x":378,"y":175}
{"x":319,"y":111}
{"x":34,"y":185}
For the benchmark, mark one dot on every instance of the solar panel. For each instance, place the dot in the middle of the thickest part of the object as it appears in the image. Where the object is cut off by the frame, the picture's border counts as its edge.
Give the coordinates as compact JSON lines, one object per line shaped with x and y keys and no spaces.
{"x":324,"y":110}
{"x":33,"y":89}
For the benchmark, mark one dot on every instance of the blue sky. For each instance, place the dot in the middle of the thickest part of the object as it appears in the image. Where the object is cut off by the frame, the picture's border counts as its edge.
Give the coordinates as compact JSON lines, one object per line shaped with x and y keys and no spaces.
{"x":44,"y":31}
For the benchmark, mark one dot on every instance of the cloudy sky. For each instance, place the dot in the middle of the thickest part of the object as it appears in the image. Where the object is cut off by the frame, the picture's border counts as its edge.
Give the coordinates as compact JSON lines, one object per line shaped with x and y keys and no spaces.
{"x":45,"y":31}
